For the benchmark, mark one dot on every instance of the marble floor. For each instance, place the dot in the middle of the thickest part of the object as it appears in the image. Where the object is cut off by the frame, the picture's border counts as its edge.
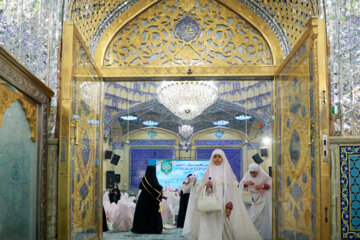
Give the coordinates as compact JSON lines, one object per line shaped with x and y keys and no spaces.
{"x":174,"y":233}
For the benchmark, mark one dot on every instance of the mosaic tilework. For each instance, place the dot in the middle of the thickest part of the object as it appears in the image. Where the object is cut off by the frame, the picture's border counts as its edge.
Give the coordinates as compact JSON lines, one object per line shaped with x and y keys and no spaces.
{"x":30,"y":31}
{"x":349,"y":191}
{"x":291,"y":15}
{"x":89,"y":14}
{"x":219,"y":134}
{"x":343,"y":30}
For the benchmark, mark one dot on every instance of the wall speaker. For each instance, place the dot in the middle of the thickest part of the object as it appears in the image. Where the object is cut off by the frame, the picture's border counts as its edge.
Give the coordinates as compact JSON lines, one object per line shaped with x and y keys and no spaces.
{"x":115,"y":159}
{"x":270,"y":171}
{"x":117,"y":178}
{"x":110,"y":179}
{"x":108,"y":154}
{"x":264,"y":152}
{"x":257,"y":159}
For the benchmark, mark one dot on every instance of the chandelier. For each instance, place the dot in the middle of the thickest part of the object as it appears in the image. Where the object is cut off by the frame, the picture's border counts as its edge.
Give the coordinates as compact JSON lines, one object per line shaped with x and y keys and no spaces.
{"x":186,"y":130}
{"x":187,"y":99}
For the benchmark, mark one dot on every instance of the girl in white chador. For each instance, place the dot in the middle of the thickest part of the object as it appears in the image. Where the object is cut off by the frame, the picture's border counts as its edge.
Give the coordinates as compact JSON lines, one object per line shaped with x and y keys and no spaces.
{"x":232,"y":222}
{"x":256,"y":182}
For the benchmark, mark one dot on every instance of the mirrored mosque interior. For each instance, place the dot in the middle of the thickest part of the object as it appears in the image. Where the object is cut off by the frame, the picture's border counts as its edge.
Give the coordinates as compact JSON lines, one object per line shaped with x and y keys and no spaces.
{"x":93,"y":93}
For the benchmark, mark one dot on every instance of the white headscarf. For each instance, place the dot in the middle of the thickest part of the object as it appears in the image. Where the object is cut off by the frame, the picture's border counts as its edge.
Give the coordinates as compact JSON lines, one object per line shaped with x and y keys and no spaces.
{"x":222,"y":173}
{"x":261,"y":178}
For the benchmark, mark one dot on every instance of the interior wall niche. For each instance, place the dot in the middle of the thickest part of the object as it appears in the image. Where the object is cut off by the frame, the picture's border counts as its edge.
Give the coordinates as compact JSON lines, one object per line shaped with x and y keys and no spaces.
{"x":23,"y":153}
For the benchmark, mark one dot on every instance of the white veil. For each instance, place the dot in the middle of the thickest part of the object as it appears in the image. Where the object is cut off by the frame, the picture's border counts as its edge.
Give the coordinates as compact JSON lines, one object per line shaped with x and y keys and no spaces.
{"x":260,"y":209}
{"x":261,"y":178}
{"x":211,"y":225}
{"x":222,"y":173}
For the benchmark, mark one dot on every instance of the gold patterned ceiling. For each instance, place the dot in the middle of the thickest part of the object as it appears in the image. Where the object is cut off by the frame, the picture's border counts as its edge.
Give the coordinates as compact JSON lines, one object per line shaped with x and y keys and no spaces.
{"x":289,"y":15}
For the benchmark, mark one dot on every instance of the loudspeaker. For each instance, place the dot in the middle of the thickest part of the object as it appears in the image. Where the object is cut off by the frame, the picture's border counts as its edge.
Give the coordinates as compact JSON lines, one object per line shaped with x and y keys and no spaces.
{"x":257,"y":159}
{"x":110,"y":179}
{"x":117,"y":178}
{"x":108,"y":154}
{"x":115,"y":159}
{"x":270,"y":171}
{"x":264,"y":152}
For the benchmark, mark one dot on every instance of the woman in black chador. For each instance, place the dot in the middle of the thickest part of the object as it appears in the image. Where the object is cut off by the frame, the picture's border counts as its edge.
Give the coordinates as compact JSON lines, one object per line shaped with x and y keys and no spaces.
{"x":115,"y":194}
{"x":147,"y":218}
{"x":184,"y":198}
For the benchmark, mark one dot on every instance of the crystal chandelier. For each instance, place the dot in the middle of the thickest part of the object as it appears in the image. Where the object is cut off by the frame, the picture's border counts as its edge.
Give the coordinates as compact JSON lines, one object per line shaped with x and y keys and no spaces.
{"x":186,"y":131}
{"x":187,"y":99}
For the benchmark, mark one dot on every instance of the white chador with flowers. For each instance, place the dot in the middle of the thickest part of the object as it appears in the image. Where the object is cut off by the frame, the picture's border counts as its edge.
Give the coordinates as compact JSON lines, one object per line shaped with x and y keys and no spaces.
{"x":215,"y":225}
{"x":260,"y":199}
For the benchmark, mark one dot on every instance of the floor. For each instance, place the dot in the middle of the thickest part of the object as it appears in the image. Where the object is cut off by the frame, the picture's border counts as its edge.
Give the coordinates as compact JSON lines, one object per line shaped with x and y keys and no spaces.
{"x":174,"y":233}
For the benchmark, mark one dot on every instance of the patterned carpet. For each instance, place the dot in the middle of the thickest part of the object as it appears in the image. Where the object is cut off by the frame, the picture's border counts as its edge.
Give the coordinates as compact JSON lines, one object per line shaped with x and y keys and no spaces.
{"x":174,"y":233}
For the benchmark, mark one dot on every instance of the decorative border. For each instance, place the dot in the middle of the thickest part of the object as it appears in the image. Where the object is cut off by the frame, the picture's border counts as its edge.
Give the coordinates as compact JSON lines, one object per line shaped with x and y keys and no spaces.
{"x":254,"y":5}
{"x":152,"y":142}
{"x":345,"y":151}
{"x":218,"y":142}
{"x":23,"y":80}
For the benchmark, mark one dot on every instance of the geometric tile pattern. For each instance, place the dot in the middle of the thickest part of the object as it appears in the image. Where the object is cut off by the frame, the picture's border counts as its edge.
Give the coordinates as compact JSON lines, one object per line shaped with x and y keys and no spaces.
{"x":219,"y":134}
{"x":350,"y":191}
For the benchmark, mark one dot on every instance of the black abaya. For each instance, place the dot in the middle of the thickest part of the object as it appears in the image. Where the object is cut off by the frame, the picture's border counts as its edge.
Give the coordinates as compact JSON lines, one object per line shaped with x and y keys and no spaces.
{"x":105,"y":227}
{"x":147,"y":218}
{"x":184,"y":199}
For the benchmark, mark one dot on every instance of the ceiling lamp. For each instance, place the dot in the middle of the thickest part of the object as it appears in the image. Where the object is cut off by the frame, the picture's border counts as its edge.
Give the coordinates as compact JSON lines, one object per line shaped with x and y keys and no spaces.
{"x":150,"y":123}
{"x":186,"y":131}
{"x":242,"y":117}
{"x":129,"y":118}
{"x":221,"y":123}
{"x":187,"y":99}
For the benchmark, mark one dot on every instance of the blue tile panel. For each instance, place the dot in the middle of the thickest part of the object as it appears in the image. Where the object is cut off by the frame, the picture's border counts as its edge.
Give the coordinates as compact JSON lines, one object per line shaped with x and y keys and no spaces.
{"x":350,"y":191}
{"x":139,"y":157}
